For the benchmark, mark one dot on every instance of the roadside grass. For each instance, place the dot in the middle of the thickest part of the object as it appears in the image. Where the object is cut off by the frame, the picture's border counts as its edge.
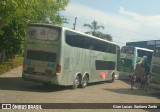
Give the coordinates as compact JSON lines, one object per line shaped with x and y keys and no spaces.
{"x":10,"y":64}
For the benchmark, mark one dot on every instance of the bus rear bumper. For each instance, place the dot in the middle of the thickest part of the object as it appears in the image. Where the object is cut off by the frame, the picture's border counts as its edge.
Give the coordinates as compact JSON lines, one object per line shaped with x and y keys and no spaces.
{"x":40,"y":78}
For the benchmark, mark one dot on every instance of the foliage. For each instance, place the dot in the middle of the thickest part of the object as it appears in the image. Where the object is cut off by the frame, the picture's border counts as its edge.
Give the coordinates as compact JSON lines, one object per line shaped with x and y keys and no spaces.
{"x":16,"y":14}
{"x":12,"y":39}
{"x":31,"y":10}
{"x":6,"y":66}
{"x":103,"y":36}
{"x":94,"y":27}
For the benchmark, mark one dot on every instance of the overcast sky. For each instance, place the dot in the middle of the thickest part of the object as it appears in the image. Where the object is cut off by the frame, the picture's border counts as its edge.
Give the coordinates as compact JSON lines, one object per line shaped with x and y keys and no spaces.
{"x":124,"y":20}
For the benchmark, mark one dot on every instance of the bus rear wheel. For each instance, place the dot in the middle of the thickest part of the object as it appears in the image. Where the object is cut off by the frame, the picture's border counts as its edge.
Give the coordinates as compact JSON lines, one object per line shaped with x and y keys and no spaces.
{"x":84,"y":81}
{"x":76,"y":82}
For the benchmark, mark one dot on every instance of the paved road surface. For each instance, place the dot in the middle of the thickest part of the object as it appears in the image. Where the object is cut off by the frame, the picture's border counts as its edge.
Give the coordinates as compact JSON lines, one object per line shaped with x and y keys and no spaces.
{"x":14,"y":90}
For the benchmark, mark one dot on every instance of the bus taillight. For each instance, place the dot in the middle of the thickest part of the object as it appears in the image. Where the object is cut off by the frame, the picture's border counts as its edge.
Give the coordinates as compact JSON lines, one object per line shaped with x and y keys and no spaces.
{"x":58,"y":69}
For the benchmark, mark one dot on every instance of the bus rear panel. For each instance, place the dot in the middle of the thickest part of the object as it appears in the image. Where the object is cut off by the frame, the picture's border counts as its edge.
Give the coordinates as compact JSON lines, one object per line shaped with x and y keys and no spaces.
{"x":42,"y":53}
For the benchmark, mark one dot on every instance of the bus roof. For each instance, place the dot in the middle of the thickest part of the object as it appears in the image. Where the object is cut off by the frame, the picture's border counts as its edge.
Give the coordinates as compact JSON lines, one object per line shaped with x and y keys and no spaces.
{"x":50,"y":25}
{"x":144,"y":49}
{"x":140,"y":48}
{"x":90,"y":36}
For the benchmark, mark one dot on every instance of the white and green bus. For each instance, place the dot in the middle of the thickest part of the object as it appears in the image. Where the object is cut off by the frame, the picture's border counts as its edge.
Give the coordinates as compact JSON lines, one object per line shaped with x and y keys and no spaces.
{"x":130,"y":56}
{"x":61,"y":56}
{"x":155,"y":70}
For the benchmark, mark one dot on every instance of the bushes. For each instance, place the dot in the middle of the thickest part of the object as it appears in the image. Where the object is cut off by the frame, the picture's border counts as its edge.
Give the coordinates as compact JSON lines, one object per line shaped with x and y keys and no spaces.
{"x":6,"y":66}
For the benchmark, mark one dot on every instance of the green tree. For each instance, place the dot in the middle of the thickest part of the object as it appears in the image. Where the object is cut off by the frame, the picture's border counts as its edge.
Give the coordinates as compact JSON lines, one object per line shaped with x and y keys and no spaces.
{"x":16,"y":14}
{"x":31,"y":11}
{"x":103,"y":36}
{"x":93,"y":26}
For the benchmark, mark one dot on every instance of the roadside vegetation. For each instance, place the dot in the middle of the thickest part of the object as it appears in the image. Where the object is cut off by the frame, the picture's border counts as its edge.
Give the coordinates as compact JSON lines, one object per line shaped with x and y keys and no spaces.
{"x":10,"y":64}
{"x":15,"y":15}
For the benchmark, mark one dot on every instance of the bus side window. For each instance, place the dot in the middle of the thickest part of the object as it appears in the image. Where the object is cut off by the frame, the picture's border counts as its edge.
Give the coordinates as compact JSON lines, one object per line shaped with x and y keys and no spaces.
{"x":112,"y":49}
{"x":85,"y":42}
{"x":73,"y":39}
{"x":91,"y":45}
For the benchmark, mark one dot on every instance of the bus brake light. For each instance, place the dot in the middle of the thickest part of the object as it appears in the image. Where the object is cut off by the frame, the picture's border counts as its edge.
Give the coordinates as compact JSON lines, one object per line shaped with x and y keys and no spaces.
{"x":58,"y":69}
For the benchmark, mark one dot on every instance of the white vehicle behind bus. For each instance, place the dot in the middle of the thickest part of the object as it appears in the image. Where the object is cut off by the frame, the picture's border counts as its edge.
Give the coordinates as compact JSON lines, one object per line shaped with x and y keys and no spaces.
{"x":155,"y":70}
{"x":130,"y":57}
{"x":61,"y":56}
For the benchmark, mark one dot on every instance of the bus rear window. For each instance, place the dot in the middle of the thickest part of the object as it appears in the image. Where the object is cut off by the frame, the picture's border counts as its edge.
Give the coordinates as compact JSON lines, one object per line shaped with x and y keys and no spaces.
{"x":128,"y":50}
{"x":126,"y":62}
{"x":43,"y":33}
{"x":41,"y":56}
{"x":157,"y":52}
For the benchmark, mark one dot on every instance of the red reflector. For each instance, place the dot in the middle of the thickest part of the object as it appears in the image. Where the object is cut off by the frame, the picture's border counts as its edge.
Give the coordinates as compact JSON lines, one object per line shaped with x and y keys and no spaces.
{"x":58,"y":69}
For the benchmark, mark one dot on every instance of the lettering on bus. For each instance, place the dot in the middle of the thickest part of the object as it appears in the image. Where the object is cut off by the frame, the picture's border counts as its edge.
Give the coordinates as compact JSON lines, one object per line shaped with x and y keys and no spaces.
{"x":45,"y":43}
{"x":42,"y":33}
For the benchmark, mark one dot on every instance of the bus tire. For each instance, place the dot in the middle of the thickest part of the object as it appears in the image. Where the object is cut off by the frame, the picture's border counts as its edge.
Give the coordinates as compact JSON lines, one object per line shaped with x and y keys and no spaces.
{"x":84,"y":81}
{"x":76,"y":82}
{"x":112,"y":79}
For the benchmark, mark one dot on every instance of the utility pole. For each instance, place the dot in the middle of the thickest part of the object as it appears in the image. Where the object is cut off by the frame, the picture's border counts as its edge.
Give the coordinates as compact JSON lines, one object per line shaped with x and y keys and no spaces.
{"x":74,"y":24}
